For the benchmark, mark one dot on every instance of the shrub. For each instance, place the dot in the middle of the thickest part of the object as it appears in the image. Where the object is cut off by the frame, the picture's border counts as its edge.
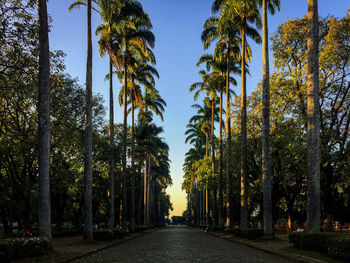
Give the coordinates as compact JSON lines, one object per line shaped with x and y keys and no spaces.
{"x":252,"y":233}
{"x":67,"y":232}
{"x":108,"y":234}
{"x":248,"y":233}
{"x":214,"y":228}
{"x":311,"y":241}
{"x":140,"y":228}
{"x":236,"y":231}
{"x":103,"y":234}
{"x":14,"y":248}
{"x":339,"y":247}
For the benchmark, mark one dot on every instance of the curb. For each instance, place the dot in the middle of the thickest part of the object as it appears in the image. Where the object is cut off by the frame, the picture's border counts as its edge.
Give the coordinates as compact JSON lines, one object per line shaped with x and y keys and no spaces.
{"x":283,"y":254}
{"x":82,"y":255}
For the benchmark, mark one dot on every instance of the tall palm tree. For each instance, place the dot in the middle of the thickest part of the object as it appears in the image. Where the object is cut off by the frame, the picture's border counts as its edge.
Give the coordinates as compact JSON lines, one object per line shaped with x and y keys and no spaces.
{"x":204,"y":119}
{"x":241,"y":13}
{"x":227,"y":50}
{"x":134,"y":39}
{"x":44,"y":122}
{"x":142,"y":74}
{"x":218,"y":64}
{"x":266,"y":163}
{"x":113,"y":12}
{"x":313,"y":120}
{"x":88,"y":230}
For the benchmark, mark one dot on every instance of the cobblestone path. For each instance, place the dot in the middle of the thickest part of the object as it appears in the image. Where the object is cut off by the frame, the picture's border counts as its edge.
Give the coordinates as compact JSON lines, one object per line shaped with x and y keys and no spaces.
{"x":181,"y":244}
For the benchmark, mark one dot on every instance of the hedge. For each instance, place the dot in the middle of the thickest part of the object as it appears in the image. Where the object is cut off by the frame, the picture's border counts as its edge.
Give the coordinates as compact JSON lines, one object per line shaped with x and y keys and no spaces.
{"x":310,"y":241}
{"x":248,"y":233}
{"x":140,"y":228}
{"x":14,"y":248}
{"x":334,"y":244}
{"x":66,"y":232}
{"x":108,"y":234}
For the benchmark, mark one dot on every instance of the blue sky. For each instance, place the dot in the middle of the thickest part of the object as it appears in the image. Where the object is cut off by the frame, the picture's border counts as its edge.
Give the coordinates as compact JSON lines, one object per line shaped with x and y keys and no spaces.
{"x":177,"y":26}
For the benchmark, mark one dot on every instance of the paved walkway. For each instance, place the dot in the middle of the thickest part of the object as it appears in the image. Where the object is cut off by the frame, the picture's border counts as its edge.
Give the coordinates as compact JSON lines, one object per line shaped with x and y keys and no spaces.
{"x":181,"y":244}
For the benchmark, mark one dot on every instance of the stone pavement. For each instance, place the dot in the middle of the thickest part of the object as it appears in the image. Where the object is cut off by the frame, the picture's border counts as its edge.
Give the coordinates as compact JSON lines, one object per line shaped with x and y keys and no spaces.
{"x":182,"y":244}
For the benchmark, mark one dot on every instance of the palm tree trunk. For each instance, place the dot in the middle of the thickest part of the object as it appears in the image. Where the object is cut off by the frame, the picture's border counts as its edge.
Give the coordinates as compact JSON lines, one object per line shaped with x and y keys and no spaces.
{"x":125,"y":122}
{"x":313,"y":121}
{"x":244,"y":209}
{"x":44,"y":122}
{"x":220,"y":206}
{"x":266,"y":164}
{"x":88,"y":134}
{"x":207,"y":205}
{"x":213,"y":157}
{"x":145,"y":195}
{"x":200,"y":209}
{"x":132,"y":214}
{"x":148,"y":190}
{"x":228,"y":146}
{"x":111,"y":221}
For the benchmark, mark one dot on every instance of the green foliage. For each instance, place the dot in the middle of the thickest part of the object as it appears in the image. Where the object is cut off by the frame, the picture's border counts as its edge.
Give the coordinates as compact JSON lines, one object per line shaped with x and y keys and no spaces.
{"x":108,"y":234}
{"x":14,"y":248}
{"x":339,"y":247}
{"x":336,"y":245}
{"x":248,"y":233}
{"x":140,"y":229}
{"x":67,"y":232}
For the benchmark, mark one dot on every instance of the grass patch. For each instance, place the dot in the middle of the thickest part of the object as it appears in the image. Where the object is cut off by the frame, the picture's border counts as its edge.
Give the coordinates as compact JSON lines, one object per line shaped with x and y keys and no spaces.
{"x":53,"y":255}
{"x":311,"y":254}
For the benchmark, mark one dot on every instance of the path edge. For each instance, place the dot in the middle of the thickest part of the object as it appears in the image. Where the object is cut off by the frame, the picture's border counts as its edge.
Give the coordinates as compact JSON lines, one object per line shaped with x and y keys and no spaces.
{"x":283,"y":254}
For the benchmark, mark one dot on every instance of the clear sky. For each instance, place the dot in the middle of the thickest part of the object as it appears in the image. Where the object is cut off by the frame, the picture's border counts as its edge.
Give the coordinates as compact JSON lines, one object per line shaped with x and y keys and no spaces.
{"x":177,"y":25}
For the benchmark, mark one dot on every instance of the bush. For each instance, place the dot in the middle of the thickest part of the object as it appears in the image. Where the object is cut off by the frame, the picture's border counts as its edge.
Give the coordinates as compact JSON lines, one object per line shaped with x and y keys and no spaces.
{"x":339,"y":247}
{"x":14,"y":248}
{"x":103,"y":234}
{"x":108,"y":234}
{"x":140,"y":228}
{"x":67,"y":232}
{"x":248,"y":233}
{"x":252,"y":233}
{"x":311,"y":241}
{"x":236,"y":231}
{"x":214,"y":228}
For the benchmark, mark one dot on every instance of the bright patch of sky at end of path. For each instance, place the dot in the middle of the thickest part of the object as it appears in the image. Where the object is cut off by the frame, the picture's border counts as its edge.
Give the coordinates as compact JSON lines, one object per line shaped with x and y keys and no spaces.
{"x":177,"y":26}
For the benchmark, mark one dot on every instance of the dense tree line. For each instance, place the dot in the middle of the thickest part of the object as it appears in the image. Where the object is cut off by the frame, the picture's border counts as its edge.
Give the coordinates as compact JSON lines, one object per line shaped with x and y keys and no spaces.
{"x":270,"y":145}
{"x":91,"y":166}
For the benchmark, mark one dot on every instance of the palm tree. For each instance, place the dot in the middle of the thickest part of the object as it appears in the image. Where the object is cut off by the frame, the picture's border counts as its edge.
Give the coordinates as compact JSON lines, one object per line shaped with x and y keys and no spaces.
{"x":204,"y":119}
{"x":113,"y":12}
{"x":88,"y":230}
{"x":218,"y":65}
{"x":313,"y":120}
{"x":44,"y":122}
{"x":136,"y":40}
{"x":240,"y":12}
{"x":227,"y":35}
{"x":141,"y":74}
{"x":266,"y":163}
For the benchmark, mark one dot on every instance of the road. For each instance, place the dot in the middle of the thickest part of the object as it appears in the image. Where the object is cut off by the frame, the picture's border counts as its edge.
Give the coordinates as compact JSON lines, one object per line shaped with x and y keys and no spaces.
{"x":181,"y":244}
